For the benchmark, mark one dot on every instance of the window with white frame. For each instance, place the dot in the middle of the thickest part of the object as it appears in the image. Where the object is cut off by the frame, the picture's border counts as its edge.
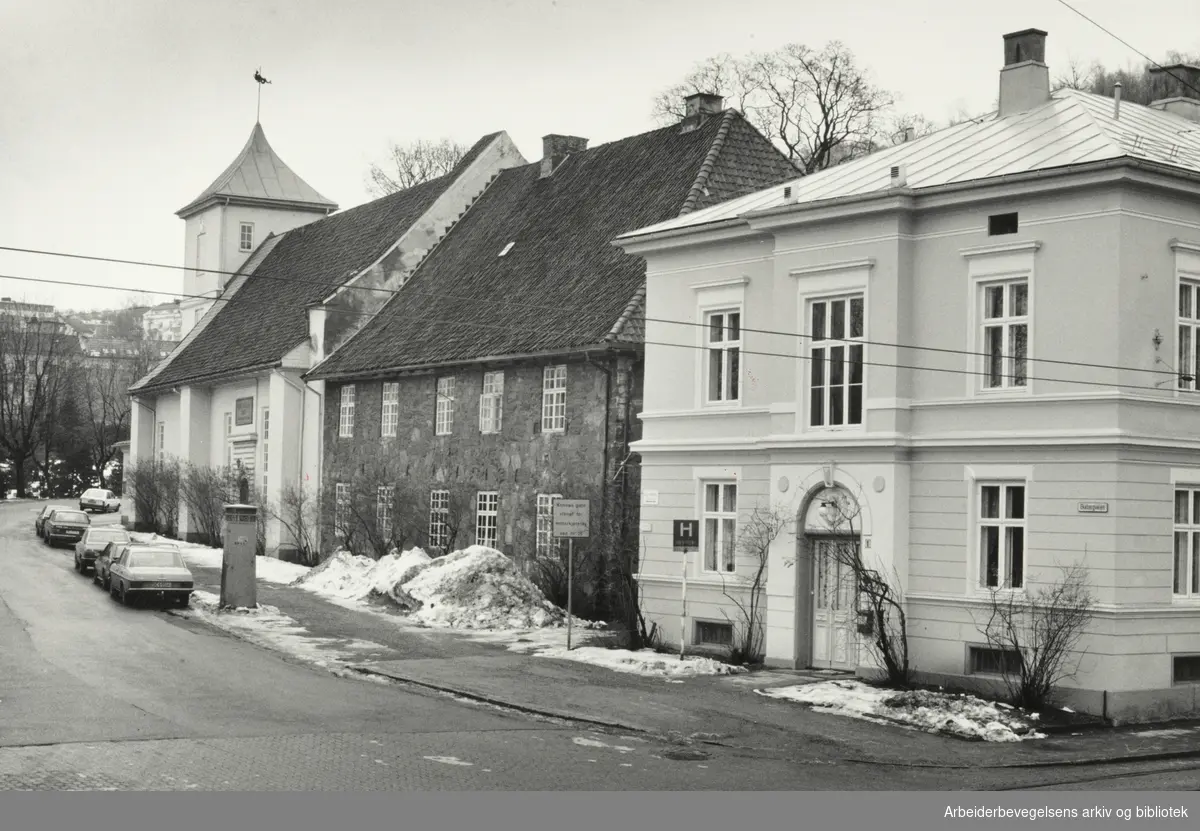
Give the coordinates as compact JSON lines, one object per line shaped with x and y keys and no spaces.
{"x":486,"y":511}
{"x":390,"y":418}
{"x":162,"y":441}
{"x":341,"y":508}
{"x":439,"y":516}
{"x":723,"y":337}
{"x":1189,"y":335}
{"x":346,"y":413}
{"x":266,"y":434}
{"x":444,"y":409}
{"x":554,"y":399}
{"x":1005,"y":334}
{"x":491,"y":403}
{"x":720,"y":526}
{"x":1001,"y":524}
{"x":544,"y":544}
{"x":246,"y":240}
{"x":1186,"y":581}
{"x":385,"y":497}
{"x":835,"y":368}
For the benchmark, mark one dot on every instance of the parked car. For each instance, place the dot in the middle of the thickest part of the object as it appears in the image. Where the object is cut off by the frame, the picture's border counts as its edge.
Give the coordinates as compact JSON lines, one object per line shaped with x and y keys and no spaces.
{"x":99,"y":500}
{"x":102,"y":567}
{"x":93,"y":542}
{"x":40,"y":523}
{"x":65,"y":525}
{"x":150,"y":571}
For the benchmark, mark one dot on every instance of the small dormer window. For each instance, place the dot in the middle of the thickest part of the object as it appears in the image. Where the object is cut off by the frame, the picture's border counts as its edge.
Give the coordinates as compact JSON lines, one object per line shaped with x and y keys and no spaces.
{"x":999,"y":224}
{"x":246,"y":243}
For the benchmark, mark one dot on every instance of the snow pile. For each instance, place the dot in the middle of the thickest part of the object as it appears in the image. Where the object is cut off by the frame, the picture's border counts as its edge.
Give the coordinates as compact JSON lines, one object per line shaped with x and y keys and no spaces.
{"x":642,"y":662}
{"x":343,"y":575}
{"x":961,"y":715}
{"x":481,"y":588}
{"x":271,"y":569}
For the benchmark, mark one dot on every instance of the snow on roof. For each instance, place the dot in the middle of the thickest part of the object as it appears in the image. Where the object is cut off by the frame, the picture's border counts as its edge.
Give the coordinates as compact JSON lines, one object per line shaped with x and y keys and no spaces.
{"x":1072,"y":128}
{"x":259,"y":174}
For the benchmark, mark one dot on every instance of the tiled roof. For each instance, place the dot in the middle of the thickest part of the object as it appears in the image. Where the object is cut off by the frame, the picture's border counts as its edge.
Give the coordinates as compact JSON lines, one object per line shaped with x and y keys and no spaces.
{"x":259,"y":174}
{"x":1072,"y":128}
{"x":262,"y":316}
{"x":561,"y":285}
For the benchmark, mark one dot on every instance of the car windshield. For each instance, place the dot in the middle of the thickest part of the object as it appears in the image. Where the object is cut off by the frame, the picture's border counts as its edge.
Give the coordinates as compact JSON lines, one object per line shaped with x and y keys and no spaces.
{"x":107,"y":535}
{"x":70,"y":516}
{"x":155,"y":559}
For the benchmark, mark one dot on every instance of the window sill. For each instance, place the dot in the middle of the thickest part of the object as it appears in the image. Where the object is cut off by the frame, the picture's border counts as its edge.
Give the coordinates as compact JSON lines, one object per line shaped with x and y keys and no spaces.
{"x":1003,"y":392}
{"x":1186,"y":601}
{"x":559,"y":432}
{"x":839,"y":428}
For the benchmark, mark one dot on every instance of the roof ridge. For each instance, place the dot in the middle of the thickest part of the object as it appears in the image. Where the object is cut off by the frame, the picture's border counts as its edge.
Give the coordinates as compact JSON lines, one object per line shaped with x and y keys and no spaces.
{"x":710,"y":161}
{"x":1074,"y":99}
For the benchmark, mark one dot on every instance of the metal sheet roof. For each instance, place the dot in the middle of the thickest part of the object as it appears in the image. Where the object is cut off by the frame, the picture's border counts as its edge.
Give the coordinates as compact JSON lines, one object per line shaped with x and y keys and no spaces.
{"x":258,"y":173}
{"x":1072,"y":128}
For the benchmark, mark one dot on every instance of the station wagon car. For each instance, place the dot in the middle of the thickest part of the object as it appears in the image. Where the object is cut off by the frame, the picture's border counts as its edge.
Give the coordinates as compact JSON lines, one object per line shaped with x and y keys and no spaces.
{"x":150,"y":571}
{"x":100,"y":500}
{"x":65,"y":525}
{"x":93,"y":542}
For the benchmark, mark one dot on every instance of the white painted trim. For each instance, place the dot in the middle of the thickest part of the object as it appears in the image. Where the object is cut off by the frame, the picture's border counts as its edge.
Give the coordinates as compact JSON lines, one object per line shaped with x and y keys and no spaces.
{"x":715,"y":472}
{"x":730,"y":298}
{"x":703,"y":581}
{"x":862,"y":264}
{"x":714,"y":284}
{"x":973,"y":473}
{"x":1101,"y":609}
{"x":1188,"y":475}
{"x":1029,"y":247}
{"x":973,"y":476}
{"x":711,"y":410}
{"x":661,"y":272}
{"x":1178,"y":245}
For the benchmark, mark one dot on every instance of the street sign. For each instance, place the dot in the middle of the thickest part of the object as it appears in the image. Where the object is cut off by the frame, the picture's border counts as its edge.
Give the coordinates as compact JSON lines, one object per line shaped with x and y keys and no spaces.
{"x":571,"y":518}
{"x":686,"y":533}
{"x":1093,"y":507}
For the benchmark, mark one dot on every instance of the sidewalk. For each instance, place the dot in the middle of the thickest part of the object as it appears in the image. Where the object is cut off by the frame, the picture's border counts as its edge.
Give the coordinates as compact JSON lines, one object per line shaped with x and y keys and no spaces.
{"x":722,"y":710}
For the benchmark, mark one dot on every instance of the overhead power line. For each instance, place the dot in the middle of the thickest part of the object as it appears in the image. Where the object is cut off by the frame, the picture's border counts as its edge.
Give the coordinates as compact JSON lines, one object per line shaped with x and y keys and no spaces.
{"x":494,"y":301}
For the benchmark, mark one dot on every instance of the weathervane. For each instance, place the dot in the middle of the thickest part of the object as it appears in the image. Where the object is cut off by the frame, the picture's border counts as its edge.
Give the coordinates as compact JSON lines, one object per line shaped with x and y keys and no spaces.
{"x":258,"y":76}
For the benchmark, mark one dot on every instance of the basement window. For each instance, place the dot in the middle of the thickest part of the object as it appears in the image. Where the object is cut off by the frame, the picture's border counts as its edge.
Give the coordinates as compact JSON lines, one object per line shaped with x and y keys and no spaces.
{"x":714,"y":634}
{"x":986,"y":660}
{"x":1186,"y":669}
{"x":999,"y":224}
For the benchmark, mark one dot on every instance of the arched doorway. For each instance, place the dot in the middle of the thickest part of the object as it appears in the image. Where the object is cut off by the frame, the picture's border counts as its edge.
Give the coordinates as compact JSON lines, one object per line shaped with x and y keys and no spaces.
{"x":830,"y":544}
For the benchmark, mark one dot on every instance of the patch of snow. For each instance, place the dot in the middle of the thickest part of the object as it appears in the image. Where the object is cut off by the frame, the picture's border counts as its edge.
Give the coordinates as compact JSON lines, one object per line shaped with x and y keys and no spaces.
{"x":643,"y":662}
{"x":962,"y":715}
{"x":1067,"y":710}
{"x":270,"y":569}
{"x":449,"y":760}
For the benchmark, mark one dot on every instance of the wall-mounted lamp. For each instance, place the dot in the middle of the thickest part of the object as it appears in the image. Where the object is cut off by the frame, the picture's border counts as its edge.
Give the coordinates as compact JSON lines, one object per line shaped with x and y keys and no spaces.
{"x":1158,"y":339}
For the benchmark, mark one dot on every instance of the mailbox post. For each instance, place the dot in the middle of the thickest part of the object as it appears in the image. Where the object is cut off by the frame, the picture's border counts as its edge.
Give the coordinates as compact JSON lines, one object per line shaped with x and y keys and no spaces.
{"x":238,"y":586}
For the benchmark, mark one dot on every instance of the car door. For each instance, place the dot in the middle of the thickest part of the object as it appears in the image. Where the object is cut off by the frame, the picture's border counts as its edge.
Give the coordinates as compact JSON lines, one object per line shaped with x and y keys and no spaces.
{"x":116,"y":571}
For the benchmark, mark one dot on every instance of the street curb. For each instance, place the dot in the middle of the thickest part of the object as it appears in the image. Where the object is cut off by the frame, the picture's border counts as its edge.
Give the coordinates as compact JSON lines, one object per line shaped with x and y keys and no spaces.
{"x":497,"y":702}
{"x":1166,"y":755}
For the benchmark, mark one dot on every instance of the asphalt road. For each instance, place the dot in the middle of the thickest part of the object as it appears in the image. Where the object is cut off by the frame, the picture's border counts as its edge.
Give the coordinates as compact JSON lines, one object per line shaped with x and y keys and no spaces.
{"x":94,"y":696}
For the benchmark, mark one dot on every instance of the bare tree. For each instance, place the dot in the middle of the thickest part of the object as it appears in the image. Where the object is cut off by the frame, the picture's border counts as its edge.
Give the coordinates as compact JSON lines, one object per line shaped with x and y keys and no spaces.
{"x":878,"y":595}
{"x":1075,"y":76}
{"x":299,"y":513}
{"x":1041,"y":632}
{"x":35,"y":353}
{"x":414,"y":163}
{"x":206,"y":491}
{"x":748,"y":593}
{"x":156,"y":485}
{"x":105,"y":405}
{"x":820,"y":107}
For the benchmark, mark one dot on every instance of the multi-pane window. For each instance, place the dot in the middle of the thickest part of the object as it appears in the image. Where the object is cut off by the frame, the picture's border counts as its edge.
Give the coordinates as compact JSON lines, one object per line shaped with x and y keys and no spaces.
{"x":491,"y":403}
{"x":439,"y":514}
{"x":341,"y":508}
{"x":391,"y":410}
{"x":720,"y":526}
{"x":266,"y":434}
{"x":836,"y":362}
{"x":1186,"y":582}
{"x":486,"y":510}
{"x":545,"y":524}
{"x":444,"y":410}
{"x":385,"y":497}
{"x":162,"y":441}
{"x":246,"y":240}
{"x":554,"y":399}
{"x":1002,"y":536}
{"x":1005,"y":334}
{"x":723,"y":333}
{"x":346,"y":412}
{"x":1189,"y":335}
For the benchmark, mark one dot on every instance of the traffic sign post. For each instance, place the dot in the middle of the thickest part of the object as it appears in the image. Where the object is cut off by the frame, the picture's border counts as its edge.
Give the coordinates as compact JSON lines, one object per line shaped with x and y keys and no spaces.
{"x":572,"y":519}
{"x":685,"y":535}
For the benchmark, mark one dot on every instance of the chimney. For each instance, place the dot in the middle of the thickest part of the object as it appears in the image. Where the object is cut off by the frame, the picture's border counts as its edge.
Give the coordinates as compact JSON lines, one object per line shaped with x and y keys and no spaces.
{"x":909,"y":134}
{"x":1176,"y":89}
{"x":556,"y":148}
{"x":1025,"y":78}
{"x":1117,"y":101}
{"x":698,"y":108}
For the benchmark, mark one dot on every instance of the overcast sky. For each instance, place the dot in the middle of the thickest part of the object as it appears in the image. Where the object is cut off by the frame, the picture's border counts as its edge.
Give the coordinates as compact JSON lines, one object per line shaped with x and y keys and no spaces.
{"x":114,"y":115}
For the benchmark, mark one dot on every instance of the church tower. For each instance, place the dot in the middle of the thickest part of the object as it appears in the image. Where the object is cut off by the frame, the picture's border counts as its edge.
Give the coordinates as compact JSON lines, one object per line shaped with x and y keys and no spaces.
{"x":256,"y":196}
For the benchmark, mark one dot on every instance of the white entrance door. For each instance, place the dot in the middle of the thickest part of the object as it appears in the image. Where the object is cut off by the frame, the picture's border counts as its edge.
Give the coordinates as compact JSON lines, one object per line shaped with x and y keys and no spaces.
{"x":835,"y":642}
